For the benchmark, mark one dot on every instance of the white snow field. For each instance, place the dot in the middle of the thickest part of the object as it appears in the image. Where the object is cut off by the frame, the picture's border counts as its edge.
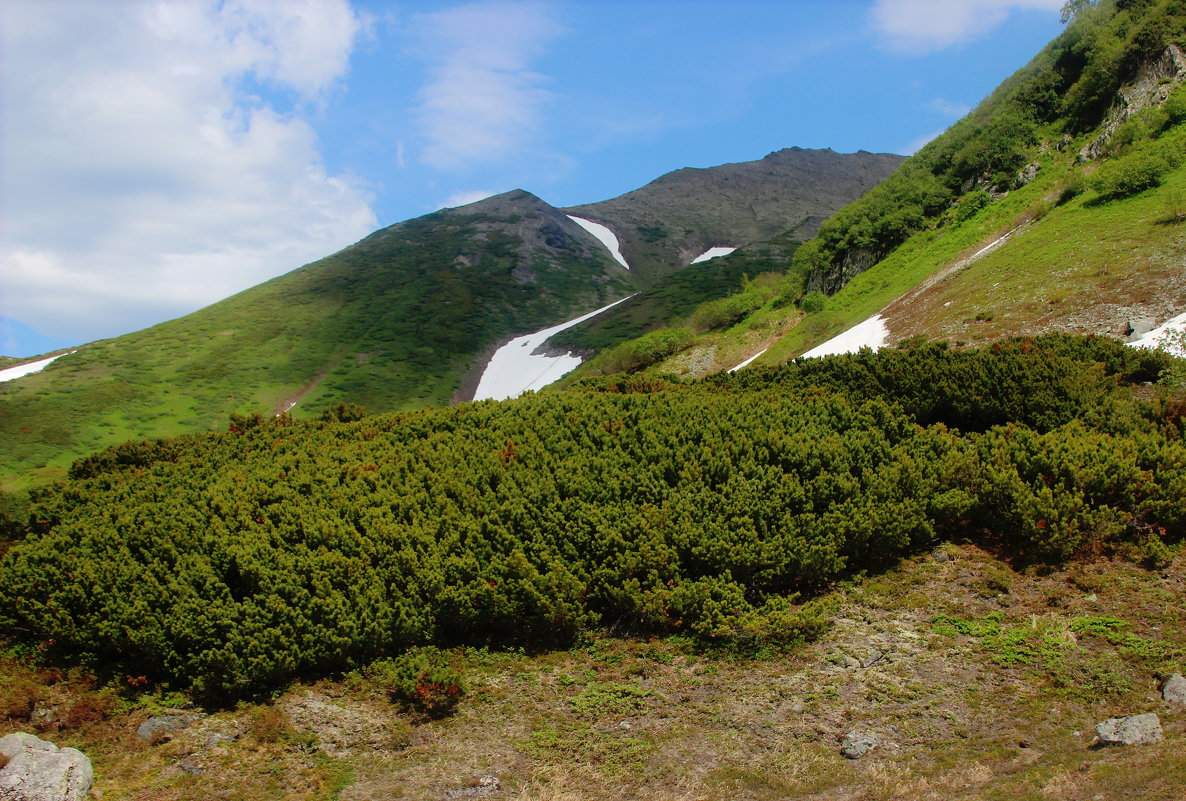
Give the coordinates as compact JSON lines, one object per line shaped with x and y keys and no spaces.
{"x":712,"y":253}
{"x":514,"y":368}
{"x":872,"y":333}
{"x":747,"y":361}
{"x":605,"y":235}
{"x":22,"y":370}
{"x":1157,"y":337}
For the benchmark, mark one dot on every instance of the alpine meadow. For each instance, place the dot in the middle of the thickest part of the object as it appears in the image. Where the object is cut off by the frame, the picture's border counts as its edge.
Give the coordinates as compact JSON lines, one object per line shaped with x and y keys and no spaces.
{"x":870,"y":484}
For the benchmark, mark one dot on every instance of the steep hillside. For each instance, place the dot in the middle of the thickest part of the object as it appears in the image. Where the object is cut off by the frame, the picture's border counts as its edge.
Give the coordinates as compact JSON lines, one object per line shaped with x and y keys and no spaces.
{"x":669,"y":222}
{"x":394,"y":321}
{"x":1056,"y":205}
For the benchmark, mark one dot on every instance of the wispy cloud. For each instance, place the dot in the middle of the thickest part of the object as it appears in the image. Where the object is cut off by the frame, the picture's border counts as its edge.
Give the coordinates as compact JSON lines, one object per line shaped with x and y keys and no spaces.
{"x":918,"y":144}
{"x":948,"y":108}
{"x":464,"y":198}
{"x":483,"y":101}
{"x":921,"y":26}
{"x":140,"y":180}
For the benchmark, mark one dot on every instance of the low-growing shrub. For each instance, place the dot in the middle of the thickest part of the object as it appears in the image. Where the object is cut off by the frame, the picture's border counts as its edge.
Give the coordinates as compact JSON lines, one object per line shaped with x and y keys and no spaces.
{"x":423,"y":679}
{"x":813,"y":302}
{"x":1142,"y":170}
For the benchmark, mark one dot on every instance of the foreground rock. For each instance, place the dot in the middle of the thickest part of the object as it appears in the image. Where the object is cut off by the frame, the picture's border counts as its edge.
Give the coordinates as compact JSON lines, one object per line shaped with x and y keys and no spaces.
{"x":1131,"y":730}
{"x":38,"y":770}
{"x":1174,"y":689}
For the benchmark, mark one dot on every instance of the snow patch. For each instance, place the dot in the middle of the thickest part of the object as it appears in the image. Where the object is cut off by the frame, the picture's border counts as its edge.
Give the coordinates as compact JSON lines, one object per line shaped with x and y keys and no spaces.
{"x":1157,"y":338}
{"x":22,"y":370}
{"x":872,"y":333}
{"x":515,"y":367}
{"x":605,"y":236}
{"x":747,"y":361}
{"x":712,"y":253}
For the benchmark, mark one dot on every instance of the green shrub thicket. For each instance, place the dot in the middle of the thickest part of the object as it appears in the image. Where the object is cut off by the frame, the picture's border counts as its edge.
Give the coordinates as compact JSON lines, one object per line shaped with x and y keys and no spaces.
{"x":231,"y":563}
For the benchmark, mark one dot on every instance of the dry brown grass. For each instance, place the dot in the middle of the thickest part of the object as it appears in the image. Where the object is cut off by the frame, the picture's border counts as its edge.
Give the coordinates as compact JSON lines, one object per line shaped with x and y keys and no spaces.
{"x":626,"y":719}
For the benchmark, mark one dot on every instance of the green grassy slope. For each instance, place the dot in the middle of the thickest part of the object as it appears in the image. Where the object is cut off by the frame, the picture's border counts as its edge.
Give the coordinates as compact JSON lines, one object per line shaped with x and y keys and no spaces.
{"x":392,"y":322}
{"x":403,"y":318}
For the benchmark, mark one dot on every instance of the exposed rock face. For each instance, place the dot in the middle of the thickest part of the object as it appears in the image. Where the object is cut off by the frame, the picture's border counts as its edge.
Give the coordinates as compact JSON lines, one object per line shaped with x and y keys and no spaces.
{"x":1174,"y":689}
{"x":1153,"y":84}
{"x":1131,"y":730}
{"x":38,"y":770}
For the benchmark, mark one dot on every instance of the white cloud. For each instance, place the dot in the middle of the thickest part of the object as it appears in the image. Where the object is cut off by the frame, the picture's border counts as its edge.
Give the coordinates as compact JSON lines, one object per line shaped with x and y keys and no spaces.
{"x":464,"y":198}
{"x":140,"y":181}
{"x":920,"y":142}
{"x":948,"y":108}
{"x":920,"y":26}
{"x":483,"y":101}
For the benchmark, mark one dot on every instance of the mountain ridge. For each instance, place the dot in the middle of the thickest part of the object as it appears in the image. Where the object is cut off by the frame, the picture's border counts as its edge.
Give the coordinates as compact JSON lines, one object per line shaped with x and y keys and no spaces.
{"x":405,"y":317}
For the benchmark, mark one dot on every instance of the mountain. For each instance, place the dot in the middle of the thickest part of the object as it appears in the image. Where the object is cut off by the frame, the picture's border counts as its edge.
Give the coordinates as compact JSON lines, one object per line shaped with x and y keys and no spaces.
{"x":669,"y":222}
{"x":939,"y":571}
{"x":405,"y":318}
{"x":1055,"y":206}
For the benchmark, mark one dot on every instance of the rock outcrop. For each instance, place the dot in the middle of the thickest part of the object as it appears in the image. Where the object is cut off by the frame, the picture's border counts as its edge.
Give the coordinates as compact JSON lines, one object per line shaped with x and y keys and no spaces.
{"x":1130,"y":730}
{"x":37,"y":770}
{"x":1174,"y":689}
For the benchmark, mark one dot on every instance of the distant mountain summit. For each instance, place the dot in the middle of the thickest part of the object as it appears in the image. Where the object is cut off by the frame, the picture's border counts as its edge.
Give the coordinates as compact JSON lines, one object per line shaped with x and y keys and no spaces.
{"x":669,"y":222}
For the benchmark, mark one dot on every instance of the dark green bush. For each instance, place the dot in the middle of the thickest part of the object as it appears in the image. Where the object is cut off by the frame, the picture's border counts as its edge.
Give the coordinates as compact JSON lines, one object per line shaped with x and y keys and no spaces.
{"x":643,"y":351}
{"x":725,"y":311}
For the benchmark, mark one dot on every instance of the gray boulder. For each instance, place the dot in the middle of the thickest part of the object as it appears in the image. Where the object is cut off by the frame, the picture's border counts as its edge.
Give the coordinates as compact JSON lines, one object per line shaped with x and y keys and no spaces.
{"x":1131,"y":730}
{"x":1139,"y":326}
{"x":1174,"y":689}
{"x":160,"y":728}
{"x":857,"y":745}
{"x":38,"y":770}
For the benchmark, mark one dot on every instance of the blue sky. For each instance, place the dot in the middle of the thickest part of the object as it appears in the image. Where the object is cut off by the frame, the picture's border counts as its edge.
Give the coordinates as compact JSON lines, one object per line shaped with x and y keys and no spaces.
{"x":158,"y":155}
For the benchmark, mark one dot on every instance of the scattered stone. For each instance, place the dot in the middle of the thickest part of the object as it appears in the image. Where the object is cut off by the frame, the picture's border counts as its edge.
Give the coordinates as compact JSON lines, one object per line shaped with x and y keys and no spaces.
{"x":1174,"y":689}
{"x":191,"y":765}
{"x":44,"y":717}
{"x":856,"y":745}
{"x":872,"y":659}
{"x":941,"y":556}
{"x":625,"y":724}
{"x":38,"y":770}
{"x":338,"y":729}
{"x":487,"y":785}
{"x":160,"y":728}
{"x":219,"y":737}
{"x":1131,"y":730}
